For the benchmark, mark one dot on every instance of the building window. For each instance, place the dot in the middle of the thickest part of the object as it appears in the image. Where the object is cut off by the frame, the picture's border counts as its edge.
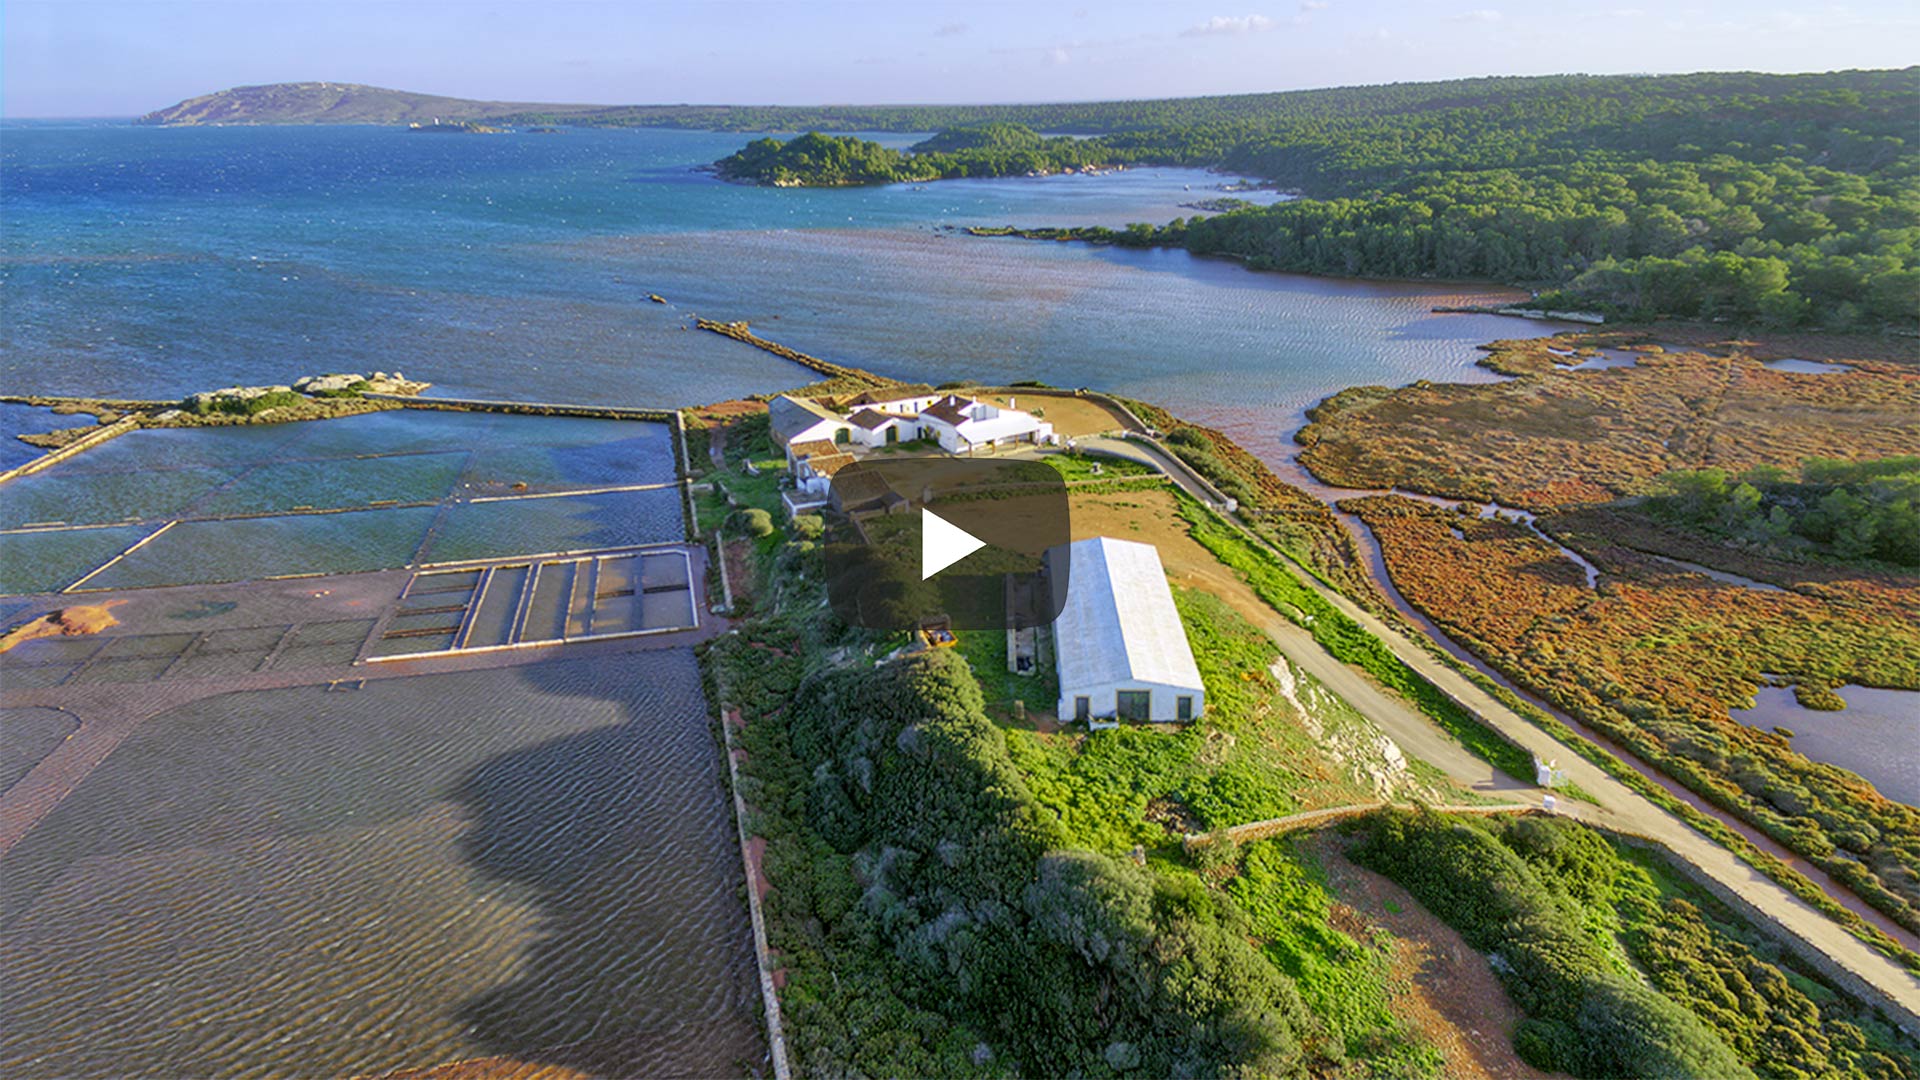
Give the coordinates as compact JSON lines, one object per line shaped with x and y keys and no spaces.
{"x":1083,"y":708}
{"x":1133,"y":704}
{"x":1183,"y":707}
{"x":841,"y":435}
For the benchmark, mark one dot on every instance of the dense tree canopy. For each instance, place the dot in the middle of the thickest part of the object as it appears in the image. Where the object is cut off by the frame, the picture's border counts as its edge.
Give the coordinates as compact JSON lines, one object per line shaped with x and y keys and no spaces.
{"x":1786,"y":200}
{"x":1842,"y":509}
{"x":816,"y":160}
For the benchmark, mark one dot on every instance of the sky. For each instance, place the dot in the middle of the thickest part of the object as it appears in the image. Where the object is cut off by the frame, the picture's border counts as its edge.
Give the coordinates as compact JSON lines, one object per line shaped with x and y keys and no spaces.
{"x":87,"y":58}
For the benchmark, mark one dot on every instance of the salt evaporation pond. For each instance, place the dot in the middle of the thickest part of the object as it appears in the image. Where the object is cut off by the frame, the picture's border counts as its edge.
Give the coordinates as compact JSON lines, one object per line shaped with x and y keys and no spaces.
{"x":532,"y":862}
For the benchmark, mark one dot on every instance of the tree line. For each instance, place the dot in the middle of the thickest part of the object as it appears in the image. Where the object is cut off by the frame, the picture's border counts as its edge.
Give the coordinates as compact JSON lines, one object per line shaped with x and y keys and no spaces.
{"x":1784,"y":200}
{"x":1847,"y":510}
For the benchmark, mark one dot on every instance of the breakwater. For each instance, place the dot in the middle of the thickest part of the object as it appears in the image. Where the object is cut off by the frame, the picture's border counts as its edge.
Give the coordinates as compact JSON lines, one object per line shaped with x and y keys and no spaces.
{"x":531,"y":408}
{"x":741,"y":332}
{"x":1536,"y":314}
{"x":85,"y":442}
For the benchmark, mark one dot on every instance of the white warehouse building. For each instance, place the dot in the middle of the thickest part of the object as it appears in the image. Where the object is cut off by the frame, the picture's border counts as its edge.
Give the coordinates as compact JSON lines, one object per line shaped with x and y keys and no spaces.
{"x":1121,"y":651}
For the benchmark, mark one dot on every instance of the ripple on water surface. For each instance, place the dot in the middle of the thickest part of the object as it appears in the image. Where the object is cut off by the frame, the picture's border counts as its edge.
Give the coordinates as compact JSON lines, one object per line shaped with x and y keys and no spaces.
{"x":430,"y":869}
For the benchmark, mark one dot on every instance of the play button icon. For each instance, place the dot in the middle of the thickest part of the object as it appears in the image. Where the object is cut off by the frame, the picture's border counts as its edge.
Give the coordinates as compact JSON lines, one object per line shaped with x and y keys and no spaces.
{"x":943,"y":543}
{"x":921,"y":540}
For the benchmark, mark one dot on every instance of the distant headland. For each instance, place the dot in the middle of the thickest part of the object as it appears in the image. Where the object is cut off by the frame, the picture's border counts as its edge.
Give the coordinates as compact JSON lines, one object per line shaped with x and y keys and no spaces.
{"x":335,"y":103}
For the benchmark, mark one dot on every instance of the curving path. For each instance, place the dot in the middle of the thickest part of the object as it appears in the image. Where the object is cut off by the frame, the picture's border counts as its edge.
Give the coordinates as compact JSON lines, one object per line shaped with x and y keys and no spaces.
{"x":1619,"y":808}
{"x":1622,"y":809}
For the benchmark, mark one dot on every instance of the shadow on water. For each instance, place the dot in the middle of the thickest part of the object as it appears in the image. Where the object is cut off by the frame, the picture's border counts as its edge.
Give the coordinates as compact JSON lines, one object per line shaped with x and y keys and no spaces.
{"x":620,"y":839}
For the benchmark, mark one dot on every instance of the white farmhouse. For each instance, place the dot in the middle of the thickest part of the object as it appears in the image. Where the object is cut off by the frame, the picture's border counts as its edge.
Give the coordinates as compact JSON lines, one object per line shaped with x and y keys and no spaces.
{"x":963,"y":425}
{"x":1121,"y":652}
{"x":799,"y":420}
{"x":870,"y":427}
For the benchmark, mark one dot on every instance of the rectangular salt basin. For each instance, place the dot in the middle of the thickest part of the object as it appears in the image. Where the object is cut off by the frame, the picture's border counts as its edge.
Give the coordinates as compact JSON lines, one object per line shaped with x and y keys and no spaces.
{"x":641,"y":459}
{"x":103,"y":498}
{"x":670,"y":610}
{"x":553,"y":591}
{"x":499,"y":605}
{"x":202,"y":552}
{"x":227,"y":448}
{"x":541,"y":526}
{"x":441,"y":583}
{"x":334,"y":484}
{"x":48,"y":561}
{"x":397,"y":455}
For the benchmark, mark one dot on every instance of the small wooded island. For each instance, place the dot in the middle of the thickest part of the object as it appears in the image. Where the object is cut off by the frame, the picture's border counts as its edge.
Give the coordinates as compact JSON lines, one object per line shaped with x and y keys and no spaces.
{"x":991,"y":149}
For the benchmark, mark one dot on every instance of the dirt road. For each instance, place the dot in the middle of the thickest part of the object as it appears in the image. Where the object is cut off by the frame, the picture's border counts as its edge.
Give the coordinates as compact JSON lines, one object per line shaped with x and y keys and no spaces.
{"x":1619,"y":807}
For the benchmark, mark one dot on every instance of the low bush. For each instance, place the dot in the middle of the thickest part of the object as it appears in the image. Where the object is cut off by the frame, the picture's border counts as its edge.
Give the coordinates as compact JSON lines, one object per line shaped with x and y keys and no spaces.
{"x":1070,"y":959}
{"x":753,"y":521}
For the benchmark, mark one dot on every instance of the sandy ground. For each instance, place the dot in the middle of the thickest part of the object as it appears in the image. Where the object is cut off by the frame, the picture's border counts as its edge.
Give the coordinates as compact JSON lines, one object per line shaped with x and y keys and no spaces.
{"x":73,"y":621}
{"x":1070,"y":417}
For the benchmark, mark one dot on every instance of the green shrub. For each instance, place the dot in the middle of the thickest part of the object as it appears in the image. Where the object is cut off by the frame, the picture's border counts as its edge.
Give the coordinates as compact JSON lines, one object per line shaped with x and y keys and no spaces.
{"x":751,"y":520}
{"x":1058,"y":954}
{"x":1549,"y":962}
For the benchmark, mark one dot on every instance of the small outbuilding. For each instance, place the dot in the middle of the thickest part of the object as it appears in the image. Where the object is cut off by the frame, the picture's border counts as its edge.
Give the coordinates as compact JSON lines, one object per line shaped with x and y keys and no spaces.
{"x":1120,"y":649}
{"x":801,"y":420}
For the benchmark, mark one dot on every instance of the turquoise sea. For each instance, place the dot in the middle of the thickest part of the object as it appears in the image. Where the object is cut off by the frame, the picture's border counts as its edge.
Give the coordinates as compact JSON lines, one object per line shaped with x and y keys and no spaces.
{"x":154,"y":262}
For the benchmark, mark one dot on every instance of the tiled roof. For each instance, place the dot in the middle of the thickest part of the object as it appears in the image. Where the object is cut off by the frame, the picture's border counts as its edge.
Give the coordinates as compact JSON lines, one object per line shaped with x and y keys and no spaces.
{"x":948,"y":410}
{"x":860,"y":488}
{"x":869,"y":419}
{"x":828,"y":464}
{"x":812,"y":448}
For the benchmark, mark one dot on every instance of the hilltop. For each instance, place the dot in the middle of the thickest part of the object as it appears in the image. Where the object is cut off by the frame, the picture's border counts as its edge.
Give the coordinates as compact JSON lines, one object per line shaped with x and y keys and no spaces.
{"x":334,"y":103}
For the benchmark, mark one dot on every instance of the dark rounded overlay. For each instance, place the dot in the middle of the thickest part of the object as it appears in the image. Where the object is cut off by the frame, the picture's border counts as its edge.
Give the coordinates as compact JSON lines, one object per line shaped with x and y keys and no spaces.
{"x":936,"y":542}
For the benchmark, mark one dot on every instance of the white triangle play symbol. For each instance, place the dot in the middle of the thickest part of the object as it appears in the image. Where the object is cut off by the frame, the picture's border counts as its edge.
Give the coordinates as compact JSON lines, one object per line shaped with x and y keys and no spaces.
{"x":942,"y":543}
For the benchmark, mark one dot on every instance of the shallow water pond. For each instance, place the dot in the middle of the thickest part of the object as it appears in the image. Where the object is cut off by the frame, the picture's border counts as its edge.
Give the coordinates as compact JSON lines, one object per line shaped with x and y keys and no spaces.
{"x":1877,"y":735}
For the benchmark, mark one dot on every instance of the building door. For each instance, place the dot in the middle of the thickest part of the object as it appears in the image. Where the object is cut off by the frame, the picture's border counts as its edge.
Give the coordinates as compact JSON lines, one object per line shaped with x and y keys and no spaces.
{"x":893,"y":434}
{"x":1083,"y":708}
{"x":1133,"y":705}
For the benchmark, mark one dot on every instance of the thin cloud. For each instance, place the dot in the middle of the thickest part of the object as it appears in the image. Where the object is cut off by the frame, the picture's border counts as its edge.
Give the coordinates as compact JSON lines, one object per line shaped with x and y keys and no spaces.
{"x":952,"y":29}
{"x":1313,"y":5}
{"x":1478,"y":15}
{"x":1228,"y":25}
{"x":1057,"y":57}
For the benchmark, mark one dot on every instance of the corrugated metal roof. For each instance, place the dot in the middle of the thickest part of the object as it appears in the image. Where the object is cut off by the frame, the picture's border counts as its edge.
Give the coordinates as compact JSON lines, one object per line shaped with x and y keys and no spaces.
{"x":1118,"y":623}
